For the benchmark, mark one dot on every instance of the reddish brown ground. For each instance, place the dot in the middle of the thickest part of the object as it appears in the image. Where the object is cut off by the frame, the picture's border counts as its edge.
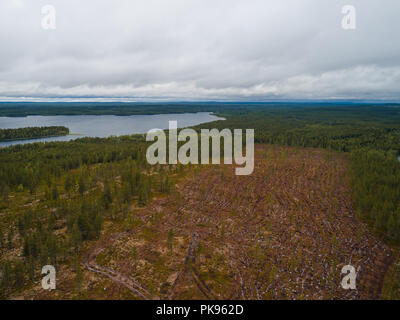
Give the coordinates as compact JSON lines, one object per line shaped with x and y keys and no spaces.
{"x":284,"y":232}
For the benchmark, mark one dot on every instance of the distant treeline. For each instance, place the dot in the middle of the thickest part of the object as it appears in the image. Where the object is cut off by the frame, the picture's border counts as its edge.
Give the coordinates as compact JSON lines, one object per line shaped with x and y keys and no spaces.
{"x":32,"y":132}
{"x":22,"y":109}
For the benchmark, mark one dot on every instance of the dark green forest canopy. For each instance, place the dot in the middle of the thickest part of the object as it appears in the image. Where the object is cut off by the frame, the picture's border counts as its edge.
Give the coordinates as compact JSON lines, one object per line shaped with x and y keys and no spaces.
{"x":30,"y":165}
{"x":295,"y":109}
{"x":337,"y":127}
{"x":32,"y":132}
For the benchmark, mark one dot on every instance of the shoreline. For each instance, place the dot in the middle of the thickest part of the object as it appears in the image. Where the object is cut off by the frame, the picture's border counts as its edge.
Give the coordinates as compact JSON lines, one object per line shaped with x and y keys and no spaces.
{"x":32,"y":138}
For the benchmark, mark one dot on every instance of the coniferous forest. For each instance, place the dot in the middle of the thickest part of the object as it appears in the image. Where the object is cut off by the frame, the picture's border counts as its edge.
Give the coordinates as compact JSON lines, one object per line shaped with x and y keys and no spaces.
{"x":69,"y":190}
{"x":32,"y":132}
{"x":54,"y":197}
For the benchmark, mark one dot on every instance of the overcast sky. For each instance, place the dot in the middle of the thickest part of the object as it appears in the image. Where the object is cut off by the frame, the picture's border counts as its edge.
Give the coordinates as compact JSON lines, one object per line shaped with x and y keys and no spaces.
{"x":200,"y":50}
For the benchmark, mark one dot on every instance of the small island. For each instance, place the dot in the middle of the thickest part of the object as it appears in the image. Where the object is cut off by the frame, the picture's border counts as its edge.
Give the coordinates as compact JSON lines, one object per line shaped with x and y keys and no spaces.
{"x":32,"y":133}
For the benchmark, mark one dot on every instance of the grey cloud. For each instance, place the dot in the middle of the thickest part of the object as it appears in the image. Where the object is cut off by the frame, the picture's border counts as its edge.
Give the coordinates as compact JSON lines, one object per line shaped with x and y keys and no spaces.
{"x":209,"y":49}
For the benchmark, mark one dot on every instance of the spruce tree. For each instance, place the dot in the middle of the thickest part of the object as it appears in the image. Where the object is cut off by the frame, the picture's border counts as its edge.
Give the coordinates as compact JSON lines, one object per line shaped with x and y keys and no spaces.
{"x":76,"y":236}
{"x":1,"y":239}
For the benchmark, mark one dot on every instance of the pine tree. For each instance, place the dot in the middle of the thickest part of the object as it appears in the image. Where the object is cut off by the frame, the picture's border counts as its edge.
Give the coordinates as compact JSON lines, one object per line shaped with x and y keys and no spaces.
{"x":10,"y":237}
{"x":68,"y":184}
{"x":84,"y":225}
{"x":31,"y":268}
{"x":26,"y":251}
{"x":6,"y":276}
{"x":107,"y":197}
{"x":170,"y":239}
{"x":76,"y":236}
{"x":44,"y":254}
{"x":4,"y":192}
{"x":19,"y":274}
{"x":52,"y":221}
{"x":391,"y":227}
{"x":54,"y":192}
{"x":21,"y":227}
{"x":1,"y":239}
{"x":81,"y":186}
{"x":143,"y":199}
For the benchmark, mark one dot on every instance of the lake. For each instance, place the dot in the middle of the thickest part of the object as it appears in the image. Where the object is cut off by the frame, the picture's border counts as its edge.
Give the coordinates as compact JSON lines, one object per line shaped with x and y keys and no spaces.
{"x":102,"y":126}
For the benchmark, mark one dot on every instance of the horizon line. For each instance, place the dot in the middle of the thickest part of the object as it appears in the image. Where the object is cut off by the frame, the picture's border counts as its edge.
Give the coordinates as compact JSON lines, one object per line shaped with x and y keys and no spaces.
{"x":152,"y":101}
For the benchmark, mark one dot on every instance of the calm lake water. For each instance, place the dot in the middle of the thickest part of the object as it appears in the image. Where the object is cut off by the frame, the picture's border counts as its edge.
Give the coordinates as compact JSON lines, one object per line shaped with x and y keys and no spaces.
{"x":102,"y":126}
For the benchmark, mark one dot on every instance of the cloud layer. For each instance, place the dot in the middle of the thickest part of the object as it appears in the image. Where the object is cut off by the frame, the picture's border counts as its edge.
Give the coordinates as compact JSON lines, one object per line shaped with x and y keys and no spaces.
{"x":200,"y":50}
